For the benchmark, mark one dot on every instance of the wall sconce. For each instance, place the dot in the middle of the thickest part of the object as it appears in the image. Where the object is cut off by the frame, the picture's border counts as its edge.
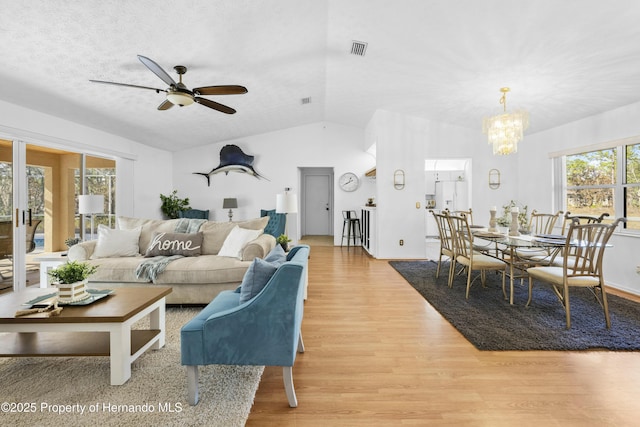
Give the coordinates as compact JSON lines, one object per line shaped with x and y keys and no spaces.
{"x":398,"y":179}
{"x":494,"y":179}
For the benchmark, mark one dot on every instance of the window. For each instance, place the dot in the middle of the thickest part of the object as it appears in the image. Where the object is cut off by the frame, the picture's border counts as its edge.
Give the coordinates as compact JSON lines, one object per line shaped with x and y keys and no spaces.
{"x":632,"y":186}
{"x":605,"y":180}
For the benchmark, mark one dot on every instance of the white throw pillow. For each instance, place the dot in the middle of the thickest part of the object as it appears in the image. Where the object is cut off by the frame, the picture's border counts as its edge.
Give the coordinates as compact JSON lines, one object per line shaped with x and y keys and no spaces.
{"x":237,"y":240}
{"x":116,"y":243}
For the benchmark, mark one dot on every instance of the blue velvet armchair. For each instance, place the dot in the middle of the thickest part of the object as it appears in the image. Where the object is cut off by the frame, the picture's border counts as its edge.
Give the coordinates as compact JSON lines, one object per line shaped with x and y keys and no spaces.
{"x":262,"y":331}
{"x":277,"y":222}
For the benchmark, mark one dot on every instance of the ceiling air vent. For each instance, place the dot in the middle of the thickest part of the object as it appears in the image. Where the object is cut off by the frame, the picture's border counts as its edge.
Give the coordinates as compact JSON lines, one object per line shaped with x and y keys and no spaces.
{"x":358,"y":48}
{"x":306,"y":100}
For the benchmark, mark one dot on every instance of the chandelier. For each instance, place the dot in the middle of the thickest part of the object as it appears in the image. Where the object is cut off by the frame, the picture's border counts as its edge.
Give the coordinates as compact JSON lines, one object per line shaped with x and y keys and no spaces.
{"x":505,"y":130}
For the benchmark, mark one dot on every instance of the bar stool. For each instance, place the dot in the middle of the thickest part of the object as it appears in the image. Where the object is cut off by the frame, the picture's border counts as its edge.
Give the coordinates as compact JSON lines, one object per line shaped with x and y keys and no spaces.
{"x":352,"y":224}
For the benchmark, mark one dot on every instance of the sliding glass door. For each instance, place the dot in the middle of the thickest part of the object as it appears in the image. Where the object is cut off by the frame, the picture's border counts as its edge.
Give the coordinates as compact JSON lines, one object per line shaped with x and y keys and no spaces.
{"x":39,"y":188}
{"x":6,"y":215}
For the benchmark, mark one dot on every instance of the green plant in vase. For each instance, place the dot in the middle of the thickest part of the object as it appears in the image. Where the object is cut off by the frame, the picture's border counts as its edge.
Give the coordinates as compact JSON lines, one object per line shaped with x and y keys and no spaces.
{"x":71,"y":280}
{"x":283,"y":240}
{"x":172,"y":205}
{"x":505,"y":219}
{"x":72,"y":272}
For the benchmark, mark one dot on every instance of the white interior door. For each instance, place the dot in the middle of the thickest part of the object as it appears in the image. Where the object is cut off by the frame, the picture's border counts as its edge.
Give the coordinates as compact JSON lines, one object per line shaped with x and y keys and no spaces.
{"x":317,"y":203}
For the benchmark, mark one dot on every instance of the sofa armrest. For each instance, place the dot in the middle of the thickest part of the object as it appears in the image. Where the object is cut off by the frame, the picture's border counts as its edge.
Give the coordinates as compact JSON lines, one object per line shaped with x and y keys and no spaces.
{"x":82,"y":251}
{"x":258,"y":248}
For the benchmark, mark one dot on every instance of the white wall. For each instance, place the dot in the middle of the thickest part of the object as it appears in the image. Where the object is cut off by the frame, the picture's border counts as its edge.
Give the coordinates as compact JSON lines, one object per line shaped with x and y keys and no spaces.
{"x":147,"y":178}
{"x":404,"y":142}
{"x":278,"y":155}
{"x":535,"y":179}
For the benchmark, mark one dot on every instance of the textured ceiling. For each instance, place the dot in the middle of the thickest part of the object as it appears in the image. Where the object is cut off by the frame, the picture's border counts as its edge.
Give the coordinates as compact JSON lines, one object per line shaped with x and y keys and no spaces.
{"x":443,"y":60}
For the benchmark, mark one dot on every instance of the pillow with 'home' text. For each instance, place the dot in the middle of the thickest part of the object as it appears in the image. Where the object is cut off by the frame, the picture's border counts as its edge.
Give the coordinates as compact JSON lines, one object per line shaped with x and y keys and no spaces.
{"x":185,"y":244}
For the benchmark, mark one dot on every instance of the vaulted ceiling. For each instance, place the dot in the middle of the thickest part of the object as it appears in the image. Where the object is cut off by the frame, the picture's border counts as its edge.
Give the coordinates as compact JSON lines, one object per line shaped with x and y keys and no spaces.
{"x":443,"y":60}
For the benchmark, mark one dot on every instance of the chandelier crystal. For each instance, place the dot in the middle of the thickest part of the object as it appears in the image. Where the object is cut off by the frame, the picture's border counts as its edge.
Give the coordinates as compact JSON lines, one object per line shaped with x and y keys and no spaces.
{"x":505,"y":130}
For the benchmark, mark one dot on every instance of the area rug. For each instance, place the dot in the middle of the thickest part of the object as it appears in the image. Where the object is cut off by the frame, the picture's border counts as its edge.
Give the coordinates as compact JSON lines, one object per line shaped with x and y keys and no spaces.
{"x":77,"y":391}
{"x":489,"y":322}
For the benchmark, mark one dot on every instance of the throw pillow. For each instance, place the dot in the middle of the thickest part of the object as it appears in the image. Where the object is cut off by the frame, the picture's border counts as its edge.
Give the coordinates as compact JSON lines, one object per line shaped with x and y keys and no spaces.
{"x":237,"y":240}
{"x":276,"y":256}
{"x":186,"y":244}
{"x":255,"y":279}
{"x":116,"y":243}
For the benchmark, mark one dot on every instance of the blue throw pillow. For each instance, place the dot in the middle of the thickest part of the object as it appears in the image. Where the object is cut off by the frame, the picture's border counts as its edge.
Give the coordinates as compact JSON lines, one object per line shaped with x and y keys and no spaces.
{"x":256,"y":278}
{"x":276,"y":255}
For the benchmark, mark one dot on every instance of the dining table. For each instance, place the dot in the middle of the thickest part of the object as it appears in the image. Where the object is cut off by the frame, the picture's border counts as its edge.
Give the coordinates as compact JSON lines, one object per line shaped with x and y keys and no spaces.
{"x":509,"y":247}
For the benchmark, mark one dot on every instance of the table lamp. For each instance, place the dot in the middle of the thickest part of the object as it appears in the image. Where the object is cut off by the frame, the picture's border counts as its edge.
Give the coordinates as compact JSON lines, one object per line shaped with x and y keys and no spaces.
{"x":90,"y":204}
{"x":287,"y":203}
{"x":230,"y":204}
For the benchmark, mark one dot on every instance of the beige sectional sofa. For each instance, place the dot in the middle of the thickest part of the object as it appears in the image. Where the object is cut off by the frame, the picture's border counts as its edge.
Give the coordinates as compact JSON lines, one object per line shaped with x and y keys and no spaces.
{"x":194,"y":279}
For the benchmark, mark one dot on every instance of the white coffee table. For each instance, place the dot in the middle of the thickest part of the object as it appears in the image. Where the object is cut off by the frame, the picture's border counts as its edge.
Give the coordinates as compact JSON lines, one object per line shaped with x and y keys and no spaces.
{"x":102,"y":328}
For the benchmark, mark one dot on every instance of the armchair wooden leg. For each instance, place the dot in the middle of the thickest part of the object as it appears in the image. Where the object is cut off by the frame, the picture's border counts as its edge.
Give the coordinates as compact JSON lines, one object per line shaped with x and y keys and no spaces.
{"x":300,"y":343}
{"x":287,"y":375}
{"x":192,"y":384}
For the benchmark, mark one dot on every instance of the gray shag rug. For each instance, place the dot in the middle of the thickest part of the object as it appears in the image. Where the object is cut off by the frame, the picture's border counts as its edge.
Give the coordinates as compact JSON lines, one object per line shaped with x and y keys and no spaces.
{"x":489,"y":322}
{"x":53,"y":391}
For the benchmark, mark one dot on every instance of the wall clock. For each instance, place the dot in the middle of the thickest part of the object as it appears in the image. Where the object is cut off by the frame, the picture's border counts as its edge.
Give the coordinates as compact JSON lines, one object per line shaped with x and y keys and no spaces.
{"x":349,"y":181}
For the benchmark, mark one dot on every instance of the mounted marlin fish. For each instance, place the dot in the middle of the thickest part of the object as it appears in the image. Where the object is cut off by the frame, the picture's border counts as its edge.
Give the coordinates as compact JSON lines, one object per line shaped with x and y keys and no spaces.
{"x":232,"y":159}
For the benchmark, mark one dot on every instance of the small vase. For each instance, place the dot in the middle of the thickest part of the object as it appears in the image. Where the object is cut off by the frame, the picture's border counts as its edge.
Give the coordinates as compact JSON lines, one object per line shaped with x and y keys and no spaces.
{"x":72,"y":292}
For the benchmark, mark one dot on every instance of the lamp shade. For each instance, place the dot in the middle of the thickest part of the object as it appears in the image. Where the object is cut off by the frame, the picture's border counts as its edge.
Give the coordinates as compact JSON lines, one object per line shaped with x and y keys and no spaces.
{"x":90,"y":204}
{"x":286,"y":203}
{"x":229,"y":203}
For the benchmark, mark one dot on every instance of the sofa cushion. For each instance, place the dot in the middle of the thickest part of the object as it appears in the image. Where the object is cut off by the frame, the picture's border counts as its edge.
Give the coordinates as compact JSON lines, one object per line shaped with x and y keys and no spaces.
{"x":121,"y":270}
{"x":276,"y":256}
{"x":116,"y":243}
{"x":237,"y":239}
{"x":216,"y":232}
{"x":203,"y":269}
{"x":186,"y":244}
{"x":148,"y":228}
{"x":256,"y":278}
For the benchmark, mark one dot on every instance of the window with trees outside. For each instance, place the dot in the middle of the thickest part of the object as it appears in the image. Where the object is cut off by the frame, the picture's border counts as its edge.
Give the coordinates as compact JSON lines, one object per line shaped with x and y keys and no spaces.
{"x":606,"y":180}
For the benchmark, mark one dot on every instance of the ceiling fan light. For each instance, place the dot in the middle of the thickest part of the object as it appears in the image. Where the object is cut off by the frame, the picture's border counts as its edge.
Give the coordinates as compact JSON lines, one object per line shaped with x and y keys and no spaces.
{"x":180,"y":98}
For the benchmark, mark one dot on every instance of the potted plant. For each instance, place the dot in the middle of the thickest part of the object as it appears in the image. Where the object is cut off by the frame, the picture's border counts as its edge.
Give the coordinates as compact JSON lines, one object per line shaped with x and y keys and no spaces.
{"x":172,"y":205}
{"x":283,"y":240}
{"x":71,"y":280}
{"x":71,"y":241}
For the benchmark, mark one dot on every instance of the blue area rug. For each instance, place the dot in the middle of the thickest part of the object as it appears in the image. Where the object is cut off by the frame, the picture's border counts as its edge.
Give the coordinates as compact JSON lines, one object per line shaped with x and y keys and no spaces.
{"x":488,"y":321}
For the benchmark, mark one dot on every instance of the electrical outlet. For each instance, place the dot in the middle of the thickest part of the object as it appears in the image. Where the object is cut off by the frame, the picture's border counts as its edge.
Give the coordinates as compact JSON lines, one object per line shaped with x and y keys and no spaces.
{"x":638,"y":269}
{"x":401,"y":242}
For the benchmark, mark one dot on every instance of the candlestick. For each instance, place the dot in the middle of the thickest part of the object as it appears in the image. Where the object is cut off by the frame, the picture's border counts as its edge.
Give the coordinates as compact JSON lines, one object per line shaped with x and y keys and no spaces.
{"x":492,"y":221}
{"x":513,"y":229}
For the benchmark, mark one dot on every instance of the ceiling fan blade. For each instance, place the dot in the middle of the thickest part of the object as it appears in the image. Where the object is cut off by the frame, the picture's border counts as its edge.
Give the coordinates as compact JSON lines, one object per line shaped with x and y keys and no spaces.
{"x":127,"y":85}
{"x":165,"y":105}
{"x":157,"y":70}
{"x":221,"y":90}
{"x":216,"y":106}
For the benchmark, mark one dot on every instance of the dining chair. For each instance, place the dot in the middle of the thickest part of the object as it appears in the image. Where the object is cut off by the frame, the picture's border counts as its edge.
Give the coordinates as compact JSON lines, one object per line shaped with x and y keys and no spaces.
{"x":468,"y":258}
{"x":540,"y":224}
{"x":588,"y":242}
{"x":468,"y":213}
{"x":446,"y":242}
{"x":581,"y":219}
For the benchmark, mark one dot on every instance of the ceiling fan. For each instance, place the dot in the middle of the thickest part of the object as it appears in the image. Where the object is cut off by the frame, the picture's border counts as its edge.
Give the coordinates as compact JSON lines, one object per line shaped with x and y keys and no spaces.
{"x":179,"y":94}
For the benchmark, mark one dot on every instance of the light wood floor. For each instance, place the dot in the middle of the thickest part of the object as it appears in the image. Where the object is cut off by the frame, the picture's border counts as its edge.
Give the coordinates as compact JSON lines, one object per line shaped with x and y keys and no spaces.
{"x":377,"y":354}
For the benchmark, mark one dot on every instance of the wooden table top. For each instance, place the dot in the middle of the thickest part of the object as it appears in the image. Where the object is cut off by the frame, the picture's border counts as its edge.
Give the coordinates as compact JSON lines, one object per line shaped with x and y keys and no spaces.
{"x":123,"y":304}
